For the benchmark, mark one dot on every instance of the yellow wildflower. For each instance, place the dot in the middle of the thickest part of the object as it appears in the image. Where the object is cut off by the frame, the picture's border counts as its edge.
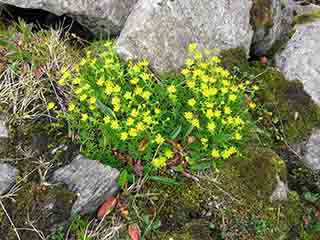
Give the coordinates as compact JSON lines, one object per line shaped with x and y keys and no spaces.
{"x":232,"y":97}
{"x":138,"y":91}
{"x":252,"y":105}
{"x":51,"y":105}
{"x":76,"y":81}
{"x":84,"y":117}
{"x":130,"y":121}
{"x":106,"y":119}
{"x":83,"y":97}
{"x":62,"y":82}
{"x":92,"y":100}
{"x":215,"y":153}
{"x":195,"y":122}
{"x":127,"y":95}
{"x":209,"y":113}
{"x":157,"y":111}
{"x":237,"y":136}
{"x":227,"y":110}
{"x":114,"y":124}
{"x":188,"y":115}
{"x":191,"y":83}
{"x":211,"y":126}
{"x":217,"y":113}
{"x":140,"y":127}
{"x":159,"y":162}
{"x":159,"y":139}
{"x":134,"y":81}
{"x":192,"y":102}
{"x":133,"y":132}
{"x":192,"y":47}
{"x":185,"y":72}
{"x":189,"y":62}
{"x":134,"y":113}
{"x":124,"y":136}
{"x":146,"y":95}
{"x":172,"y":89}
{"x":71,"y":107}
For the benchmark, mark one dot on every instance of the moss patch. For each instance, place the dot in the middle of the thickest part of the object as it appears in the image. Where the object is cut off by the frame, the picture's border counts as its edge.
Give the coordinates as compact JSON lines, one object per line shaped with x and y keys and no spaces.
{"x":46,"y":207}
{"x":261,"y":14}
{"x":294,"y":114}
{"x":307,"y":18}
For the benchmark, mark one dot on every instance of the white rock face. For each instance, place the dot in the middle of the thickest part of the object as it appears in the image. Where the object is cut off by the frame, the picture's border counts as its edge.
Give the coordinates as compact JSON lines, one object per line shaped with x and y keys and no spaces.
{"x":99,"y":16}
{"x":280,"y":193}
{"x":312,"y":151}
{"x":160,"y":30}
{"x":8,"y":176}
{"x":300,"y":60}
{"x":91,"y":180}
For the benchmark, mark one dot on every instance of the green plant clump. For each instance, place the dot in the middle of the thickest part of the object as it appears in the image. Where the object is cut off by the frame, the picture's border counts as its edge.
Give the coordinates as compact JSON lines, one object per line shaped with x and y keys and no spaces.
{"x":124,"y":112}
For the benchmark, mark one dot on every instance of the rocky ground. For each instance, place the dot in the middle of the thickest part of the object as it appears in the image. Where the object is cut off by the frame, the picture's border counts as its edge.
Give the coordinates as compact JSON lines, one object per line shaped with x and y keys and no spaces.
{"x":49,"y":190}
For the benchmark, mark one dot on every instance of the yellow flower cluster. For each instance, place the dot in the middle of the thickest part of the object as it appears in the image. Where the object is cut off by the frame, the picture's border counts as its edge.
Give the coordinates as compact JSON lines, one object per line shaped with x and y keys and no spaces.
{"x":129,"y":111}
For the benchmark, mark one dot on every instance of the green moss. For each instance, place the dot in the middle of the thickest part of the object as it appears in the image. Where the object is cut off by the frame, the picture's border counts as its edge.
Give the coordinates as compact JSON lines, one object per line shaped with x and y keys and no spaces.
{"x":46,"y":206}
{"x":307,"y":18}
{"x":195,"y":230}
{"x":261,"y":14}
{"x":294,"y":112}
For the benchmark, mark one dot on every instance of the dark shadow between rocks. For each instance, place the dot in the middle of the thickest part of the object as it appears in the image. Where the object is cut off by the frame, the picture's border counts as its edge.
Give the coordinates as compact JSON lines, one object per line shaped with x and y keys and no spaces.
{"x":44,"y":20}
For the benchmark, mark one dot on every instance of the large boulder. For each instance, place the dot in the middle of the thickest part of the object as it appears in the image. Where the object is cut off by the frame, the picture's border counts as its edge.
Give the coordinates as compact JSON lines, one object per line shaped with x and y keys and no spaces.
{"x":160,"y":30}
{"x":271,"y":21}
{"x":105,"y":17}
{"x":300,"y":59}
{"x":8,"y":176}
{"x":92,"y":181}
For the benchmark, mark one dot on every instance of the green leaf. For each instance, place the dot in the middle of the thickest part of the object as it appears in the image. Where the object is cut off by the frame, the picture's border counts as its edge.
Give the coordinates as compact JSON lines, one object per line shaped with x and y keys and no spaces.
{"x":189,"y":131}
{"x":105,"y":109}
{"x":201,"y":166}
{"x":163,"y":180}
{"x":176,"y":132}
{"x":316,"y":227}
{"x":123,"y":178}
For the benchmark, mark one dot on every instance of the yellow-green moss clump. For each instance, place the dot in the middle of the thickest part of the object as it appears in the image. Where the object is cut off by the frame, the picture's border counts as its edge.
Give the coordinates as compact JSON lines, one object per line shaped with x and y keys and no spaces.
{"x":307,"y":18}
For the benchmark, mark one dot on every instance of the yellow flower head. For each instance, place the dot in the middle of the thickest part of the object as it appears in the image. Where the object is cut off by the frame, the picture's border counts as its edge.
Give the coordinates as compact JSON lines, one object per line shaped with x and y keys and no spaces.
{"x":172,"y":89}
{"x":84,"y":117}
{"x":106,"y":119}
{"x":252,"y":105}
{"x":237,"y":136}
{"x":159,"y":139}
{"x":71,"y":107}
{"x":215,"y":153}
{"x":114,"y":124}
{"x":159,"y":162}
{"x":195,"y":122}
{"x":192,"y":47}
{"x":192,"y":102}
{"x":232,"y":97}
{"x":51,"y":105}
{"x":211,"y":126}
{"x":188,"y":115}
{"x":133,"y":132}
{"x":130,"y":121}
{"x":227,"y":110}
{"x":124,"y":136}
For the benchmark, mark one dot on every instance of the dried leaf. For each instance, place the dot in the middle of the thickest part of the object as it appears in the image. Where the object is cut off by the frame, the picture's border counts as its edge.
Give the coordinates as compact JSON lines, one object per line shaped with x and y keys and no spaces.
{"x":107,"y":207}
{"x":124,"y":210}
{"x":134,"y":232}
{"x":143,"y":145}
{"x":138,"y":168}
{"x":123,"y":157}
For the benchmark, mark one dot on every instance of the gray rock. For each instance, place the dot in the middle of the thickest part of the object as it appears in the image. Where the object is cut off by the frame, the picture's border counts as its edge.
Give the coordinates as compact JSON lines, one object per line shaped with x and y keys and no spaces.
{"x":161,"y":30}
{"x":272,"y":20}
{"x":312,"y":151}
{"x":300,"y":59}
{"x":306,"y":9}
{"x":4,"y":133}
{"x":91,"y":180}
{"x":280,"y":193}
{"x":99,"y":16}
{"x":8,"y":176}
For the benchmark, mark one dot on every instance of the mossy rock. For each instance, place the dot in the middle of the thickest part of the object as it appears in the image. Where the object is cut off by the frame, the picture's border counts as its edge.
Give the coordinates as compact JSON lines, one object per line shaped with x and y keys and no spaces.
{"x":261,"y":14}
{"x":45,"y":206}
{"x":307,"y":18}
{"x":293,"y":109}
